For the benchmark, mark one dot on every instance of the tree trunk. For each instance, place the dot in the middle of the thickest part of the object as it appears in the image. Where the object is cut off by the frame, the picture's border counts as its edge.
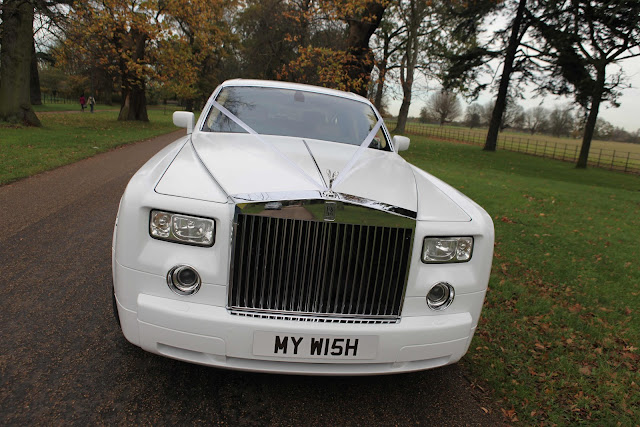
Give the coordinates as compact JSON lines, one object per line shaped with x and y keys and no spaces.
{"x":134,"y":101}
{"x":406,"y":82}
{"x":380,"y":89}
{"x":411,"y":60}
{"x":34,"y":81}
{"x":359,"y":32}
{"x":134,"y":104}
{"x":590,"y":125}
{"x":383,"y":72}
{"x":15,"y":57}
{"x":404,"y":109}
{"x":503,"y":89}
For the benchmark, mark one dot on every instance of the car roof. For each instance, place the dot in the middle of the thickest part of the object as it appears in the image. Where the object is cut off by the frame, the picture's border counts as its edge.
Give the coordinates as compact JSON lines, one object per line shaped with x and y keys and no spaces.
{"x":295,"y":86}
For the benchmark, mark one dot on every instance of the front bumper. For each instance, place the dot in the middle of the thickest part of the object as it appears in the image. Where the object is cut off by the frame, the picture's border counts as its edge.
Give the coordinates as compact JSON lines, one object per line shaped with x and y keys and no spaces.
{"x":210,"y":335}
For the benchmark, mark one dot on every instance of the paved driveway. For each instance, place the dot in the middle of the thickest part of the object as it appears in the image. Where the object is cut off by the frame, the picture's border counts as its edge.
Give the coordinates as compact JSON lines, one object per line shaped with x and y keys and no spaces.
{"x":63,"y":359}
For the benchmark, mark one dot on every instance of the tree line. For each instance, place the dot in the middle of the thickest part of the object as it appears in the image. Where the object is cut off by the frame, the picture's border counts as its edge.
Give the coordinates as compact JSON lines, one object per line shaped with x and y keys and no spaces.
{"x":174,"y":49}
{"x":444,"y":107}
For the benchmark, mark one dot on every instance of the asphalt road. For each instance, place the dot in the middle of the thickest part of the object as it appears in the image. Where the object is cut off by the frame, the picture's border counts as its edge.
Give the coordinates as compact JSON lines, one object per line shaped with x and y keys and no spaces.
{"x":63,"y":360}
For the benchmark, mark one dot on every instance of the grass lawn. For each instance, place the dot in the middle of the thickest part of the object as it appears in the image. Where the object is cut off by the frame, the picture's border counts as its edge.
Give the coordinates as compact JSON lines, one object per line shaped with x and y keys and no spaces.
{"x":66,"y":138}
{"x":480,"y":134}
{"x":559,"y":334}
{"x":46,"y":108}
{"x":619,"y":156}
{"x":61,"y":107}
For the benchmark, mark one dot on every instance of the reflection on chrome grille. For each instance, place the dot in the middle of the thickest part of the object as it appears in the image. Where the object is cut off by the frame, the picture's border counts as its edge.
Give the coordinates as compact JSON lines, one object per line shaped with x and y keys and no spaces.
{"x":317,"y":319}
{"x":301,"y":268}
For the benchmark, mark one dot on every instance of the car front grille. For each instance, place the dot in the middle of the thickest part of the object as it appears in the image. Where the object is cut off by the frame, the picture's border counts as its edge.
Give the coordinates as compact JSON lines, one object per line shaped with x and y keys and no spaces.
{"x":305,"y":269}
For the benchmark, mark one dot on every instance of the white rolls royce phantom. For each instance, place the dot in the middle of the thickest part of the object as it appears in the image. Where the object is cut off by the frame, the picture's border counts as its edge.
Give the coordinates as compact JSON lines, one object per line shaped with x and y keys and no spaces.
{"x":285,"y":234}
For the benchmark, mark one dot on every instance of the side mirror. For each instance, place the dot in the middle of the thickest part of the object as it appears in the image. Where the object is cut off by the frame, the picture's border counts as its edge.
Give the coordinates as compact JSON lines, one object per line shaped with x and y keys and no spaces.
{"x":401,"y":143}
{"x":184,"y":119}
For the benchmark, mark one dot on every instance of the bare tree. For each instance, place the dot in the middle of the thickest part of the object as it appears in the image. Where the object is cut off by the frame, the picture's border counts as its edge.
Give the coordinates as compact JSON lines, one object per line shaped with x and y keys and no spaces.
{"x":387,"y":43}
{"x":535,"y":119}
{"x":485,"y":113}
{"x":561,"y":121}
{"x":473,"y":115}
{"x":412,"y":13}
{"x":443,"y":107}
{"x":604,"y":130}
{"x":512,"y":117}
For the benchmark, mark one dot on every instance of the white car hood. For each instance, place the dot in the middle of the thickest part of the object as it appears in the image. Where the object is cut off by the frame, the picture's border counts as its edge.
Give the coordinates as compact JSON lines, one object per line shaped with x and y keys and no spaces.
{"x":245,"y":168}
{"x":244,"y":165}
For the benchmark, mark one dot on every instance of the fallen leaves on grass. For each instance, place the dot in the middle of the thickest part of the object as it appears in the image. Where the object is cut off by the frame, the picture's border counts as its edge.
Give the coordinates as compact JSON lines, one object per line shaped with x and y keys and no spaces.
{"x":510,"y":414}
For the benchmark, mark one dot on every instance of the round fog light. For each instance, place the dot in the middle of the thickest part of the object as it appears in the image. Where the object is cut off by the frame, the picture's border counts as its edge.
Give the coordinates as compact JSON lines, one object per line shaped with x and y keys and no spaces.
{"x":183,"y":280}
{"x":440,"y":296}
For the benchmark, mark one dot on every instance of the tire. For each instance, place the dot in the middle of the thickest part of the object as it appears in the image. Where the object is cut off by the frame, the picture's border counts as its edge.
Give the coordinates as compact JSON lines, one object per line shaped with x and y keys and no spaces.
{"x":115,"y":306}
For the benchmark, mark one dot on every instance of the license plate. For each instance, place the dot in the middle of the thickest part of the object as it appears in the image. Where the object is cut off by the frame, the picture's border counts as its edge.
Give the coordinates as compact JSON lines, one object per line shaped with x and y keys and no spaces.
{"x":311,"y":346}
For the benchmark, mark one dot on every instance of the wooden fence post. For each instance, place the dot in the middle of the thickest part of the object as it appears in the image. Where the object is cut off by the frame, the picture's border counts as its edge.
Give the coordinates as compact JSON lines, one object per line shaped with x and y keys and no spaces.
{"x":626,"y":165}
{"x":613,"y":157}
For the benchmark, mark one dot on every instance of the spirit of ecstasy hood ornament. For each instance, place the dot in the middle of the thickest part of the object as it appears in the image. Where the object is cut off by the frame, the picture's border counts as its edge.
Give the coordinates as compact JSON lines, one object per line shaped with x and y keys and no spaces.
{"x":332,"y":177}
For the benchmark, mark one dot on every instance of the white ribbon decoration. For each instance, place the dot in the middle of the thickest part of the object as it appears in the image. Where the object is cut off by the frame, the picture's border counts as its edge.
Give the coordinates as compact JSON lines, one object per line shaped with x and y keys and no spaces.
{"x":246,"y":127}
{"x":323,"y":187}
{"x":357,"y":154}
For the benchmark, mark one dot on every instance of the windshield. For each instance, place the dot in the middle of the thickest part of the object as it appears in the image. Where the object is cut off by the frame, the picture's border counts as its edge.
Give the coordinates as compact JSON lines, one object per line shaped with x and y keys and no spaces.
{"x":302,"y":114}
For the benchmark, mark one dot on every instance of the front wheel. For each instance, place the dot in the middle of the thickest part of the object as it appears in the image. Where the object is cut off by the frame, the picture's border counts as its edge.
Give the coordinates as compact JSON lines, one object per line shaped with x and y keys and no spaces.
{"x":115,"y":306}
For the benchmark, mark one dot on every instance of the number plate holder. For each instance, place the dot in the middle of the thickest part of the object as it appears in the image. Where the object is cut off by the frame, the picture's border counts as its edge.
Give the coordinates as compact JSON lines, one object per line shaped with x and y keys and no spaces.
{"x":315,"y":346}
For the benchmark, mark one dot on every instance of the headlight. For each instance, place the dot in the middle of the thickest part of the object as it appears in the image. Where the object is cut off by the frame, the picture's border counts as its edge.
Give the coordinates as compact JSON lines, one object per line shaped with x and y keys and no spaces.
{"x":182,"y":228}
{"x":446,"y":249}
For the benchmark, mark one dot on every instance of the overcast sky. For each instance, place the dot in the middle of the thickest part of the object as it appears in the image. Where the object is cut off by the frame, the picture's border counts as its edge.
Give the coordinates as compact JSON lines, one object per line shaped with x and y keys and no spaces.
{"x":626,"y":116}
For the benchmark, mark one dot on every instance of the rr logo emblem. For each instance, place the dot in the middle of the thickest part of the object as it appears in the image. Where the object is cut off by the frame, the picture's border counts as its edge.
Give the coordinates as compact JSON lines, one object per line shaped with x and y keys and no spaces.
{"x":330,"y":211}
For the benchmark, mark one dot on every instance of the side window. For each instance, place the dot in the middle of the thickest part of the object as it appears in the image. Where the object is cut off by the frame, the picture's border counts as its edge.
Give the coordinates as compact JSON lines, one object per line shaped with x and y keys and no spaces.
{"x":214,"y":115}
{"x":380,"y":140}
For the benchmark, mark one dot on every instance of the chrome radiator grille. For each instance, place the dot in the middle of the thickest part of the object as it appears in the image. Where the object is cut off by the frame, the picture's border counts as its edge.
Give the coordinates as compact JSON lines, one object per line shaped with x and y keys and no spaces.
{"x":298,"y":268}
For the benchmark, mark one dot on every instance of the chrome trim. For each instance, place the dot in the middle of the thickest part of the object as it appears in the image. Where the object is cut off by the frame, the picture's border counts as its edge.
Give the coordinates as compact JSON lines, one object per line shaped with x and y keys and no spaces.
{"x":314,"y":194}
{"x":314,"y":317}
{"x":315,"y":163}
{"x":172,"y":277}
{"x":195,"y":152}
{"x":447,"y":303}
{"x":294,"y":266}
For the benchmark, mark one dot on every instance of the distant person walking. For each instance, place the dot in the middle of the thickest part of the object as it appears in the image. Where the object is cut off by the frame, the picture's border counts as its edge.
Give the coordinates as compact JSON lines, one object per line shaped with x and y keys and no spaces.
{"x":83,"y":102}
{"x":92,"y":103}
